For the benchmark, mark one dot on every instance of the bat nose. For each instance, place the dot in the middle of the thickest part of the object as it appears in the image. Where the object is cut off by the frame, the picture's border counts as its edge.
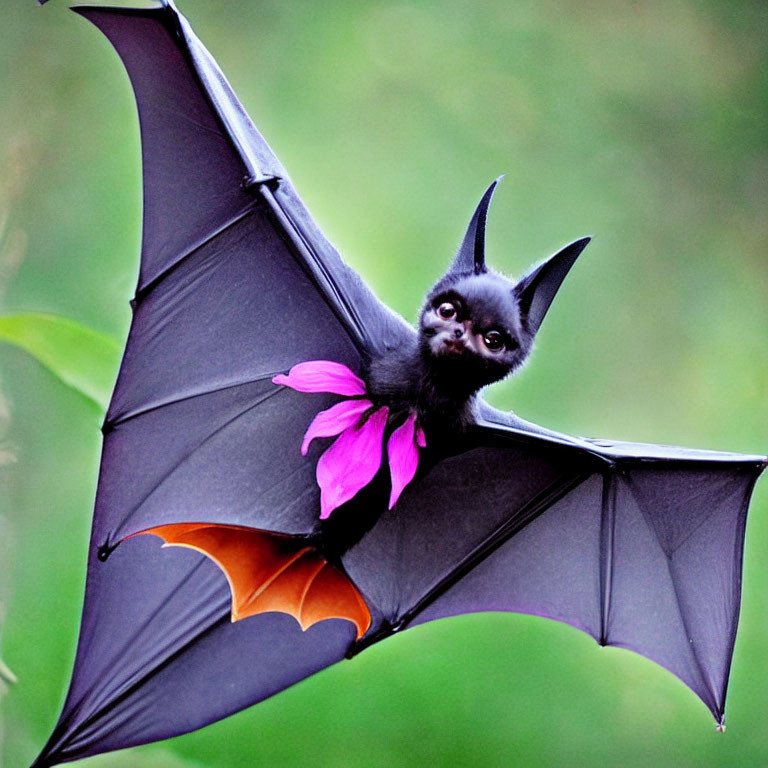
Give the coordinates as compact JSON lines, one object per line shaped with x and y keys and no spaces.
{"x":458,"y":332}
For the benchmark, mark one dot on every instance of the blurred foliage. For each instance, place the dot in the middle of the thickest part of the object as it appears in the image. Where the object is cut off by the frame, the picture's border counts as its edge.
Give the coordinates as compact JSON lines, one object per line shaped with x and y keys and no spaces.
{"x":81,"y":358}
{"x":642,"y":123}
{"x":6,"y":677}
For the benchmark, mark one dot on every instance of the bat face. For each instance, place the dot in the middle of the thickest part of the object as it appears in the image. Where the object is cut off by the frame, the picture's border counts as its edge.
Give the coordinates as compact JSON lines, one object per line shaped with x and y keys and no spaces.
{"x":477,"y":326}
{"x":471,"y":326}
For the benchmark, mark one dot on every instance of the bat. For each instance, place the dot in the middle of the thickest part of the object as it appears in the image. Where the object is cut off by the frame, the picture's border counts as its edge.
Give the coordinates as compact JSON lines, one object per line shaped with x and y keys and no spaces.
{"x":289,"y":552}
{"x":475,"y":328}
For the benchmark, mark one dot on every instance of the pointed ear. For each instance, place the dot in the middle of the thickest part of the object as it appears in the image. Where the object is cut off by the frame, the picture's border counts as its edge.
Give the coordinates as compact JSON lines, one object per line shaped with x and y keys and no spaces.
{"x":471,"y":255}
{"x":536,"y":290}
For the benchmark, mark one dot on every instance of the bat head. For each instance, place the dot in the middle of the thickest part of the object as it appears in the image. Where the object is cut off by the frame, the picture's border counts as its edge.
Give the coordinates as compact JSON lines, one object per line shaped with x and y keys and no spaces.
{"x":477,"y":326}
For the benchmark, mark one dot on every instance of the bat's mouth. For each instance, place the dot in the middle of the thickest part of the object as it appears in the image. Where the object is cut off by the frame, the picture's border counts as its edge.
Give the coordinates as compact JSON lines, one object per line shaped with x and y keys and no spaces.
{"x":448,"y":347}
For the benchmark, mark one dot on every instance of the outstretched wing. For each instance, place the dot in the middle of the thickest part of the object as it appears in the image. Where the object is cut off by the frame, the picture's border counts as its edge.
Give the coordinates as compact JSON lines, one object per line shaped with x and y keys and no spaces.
{"x":236,"y":284}
{"x":640,"y":546}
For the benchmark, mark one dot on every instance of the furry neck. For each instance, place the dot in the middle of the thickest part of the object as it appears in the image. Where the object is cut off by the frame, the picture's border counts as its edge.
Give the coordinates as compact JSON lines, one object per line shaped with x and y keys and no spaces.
{"x":441,"y":389}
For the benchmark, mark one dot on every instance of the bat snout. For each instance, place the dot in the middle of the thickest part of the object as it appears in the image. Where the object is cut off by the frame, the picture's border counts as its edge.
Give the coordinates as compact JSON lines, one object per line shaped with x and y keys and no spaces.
{"x":447,"y":343}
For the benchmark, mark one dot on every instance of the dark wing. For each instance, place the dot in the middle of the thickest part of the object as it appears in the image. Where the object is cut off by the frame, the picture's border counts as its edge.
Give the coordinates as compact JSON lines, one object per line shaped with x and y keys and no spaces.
{"x":236,"y":284}
{"x":640,"y":546}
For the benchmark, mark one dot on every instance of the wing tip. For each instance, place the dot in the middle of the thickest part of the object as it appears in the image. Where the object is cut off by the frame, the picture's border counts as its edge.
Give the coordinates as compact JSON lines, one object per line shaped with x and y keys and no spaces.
{"x":86,"y":10}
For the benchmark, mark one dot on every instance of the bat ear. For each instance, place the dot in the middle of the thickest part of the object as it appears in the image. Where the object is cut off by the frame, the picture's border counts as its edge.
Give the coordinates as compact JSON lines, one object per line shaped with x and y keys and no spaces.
{"x":471,"y":255}
{"x":536,"y":289}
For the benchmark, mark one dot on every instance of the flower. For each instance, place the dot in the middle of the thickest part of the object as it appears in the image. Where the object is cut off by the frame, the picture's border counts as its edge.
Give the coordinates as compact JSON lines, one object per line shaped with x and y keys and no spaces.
{"x":354,"y":458}
{"x":322,"y":376}
{"x":403,"y":453}
{"x":351,"y":462}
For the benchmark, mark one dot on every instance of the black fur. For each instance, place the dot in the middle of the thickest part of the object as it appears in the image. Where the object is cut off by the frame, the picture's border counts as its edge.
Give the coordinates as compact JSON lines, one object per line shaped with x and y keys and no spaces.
{"x":440,"y":371}
{"x":441,"y":380}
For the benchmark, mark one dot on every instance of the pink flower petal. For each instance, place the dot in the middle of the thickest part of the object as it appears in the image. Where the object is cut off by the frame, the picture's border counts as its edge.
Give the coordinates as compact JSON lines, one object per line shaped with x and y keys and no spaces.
{"x":334,"y":420}
{"x":421,"y":438}
{"x":351,"y":462}
{"x":322,"y":376}
{"x":404,"y":455}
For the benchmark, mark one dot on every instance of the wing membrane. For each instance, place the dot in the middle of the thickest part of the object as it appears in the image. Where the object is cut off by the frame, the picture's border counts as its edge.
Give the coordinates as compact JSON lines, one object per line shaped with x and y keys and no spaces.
{"x":268,"y":572}
{"x":640,"y":549}
{"x":236,"y":283}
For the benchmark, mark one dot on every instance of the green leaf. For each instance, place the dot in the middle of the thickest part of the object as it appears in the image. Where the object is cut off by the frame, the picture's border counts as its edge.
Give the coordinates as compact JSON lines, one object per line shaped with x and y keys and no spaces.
{"x":82,"y":358}
{"x":6,"y":677}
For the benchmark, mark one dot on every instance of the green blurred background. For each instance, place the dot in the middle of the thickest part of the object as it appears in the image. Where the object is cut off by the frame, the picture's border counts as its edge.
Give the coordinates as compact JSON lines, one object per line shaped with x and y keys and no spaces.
{"x":642,"y":123}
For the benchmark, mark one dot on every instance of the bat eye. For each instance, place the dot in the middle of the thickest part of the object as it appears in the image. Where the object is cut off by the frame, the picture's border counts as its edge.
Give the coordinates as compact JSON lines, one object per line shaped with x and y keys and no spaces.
{"x":446,"y":310}
{"x":494,"y":341}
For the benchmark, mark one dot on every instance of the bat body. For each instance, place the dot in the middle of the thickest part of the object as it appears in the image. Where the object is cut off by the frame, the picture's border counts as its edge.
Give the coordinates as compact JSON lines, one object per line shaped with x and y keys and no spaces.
{"x":475,"y":328}
{"x":427,"y":503}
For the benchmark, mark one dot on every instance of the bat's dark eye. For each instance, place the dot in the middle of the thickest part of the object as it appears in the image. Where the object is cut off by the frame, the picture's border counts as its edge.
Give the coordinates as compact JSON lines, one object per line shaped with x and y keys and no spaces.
{"x":494,"y":341}
{"x":446,"y":310}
